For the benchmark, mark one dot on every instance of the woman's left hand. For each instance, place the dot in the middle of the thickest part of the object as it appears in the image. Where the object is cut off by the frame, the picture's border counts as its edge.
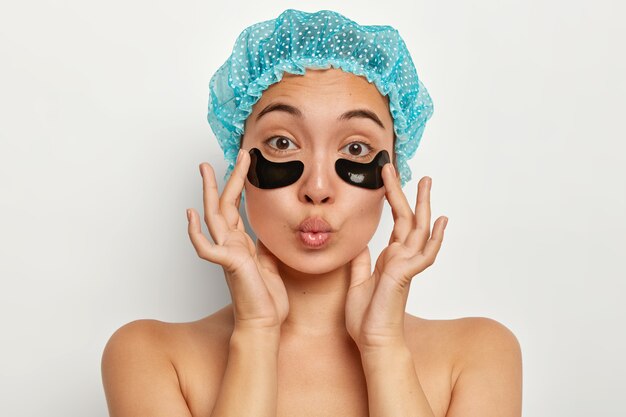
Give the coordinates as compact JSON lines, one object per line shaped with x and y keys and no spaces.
{"x":376,"y":303}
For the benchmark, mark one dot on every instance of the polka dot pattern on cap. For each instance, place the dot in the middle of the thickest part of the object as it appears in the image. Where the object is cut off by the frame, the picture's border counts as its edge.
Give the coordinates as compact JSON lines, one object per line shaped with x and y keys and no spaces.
{"x":297,"y":40}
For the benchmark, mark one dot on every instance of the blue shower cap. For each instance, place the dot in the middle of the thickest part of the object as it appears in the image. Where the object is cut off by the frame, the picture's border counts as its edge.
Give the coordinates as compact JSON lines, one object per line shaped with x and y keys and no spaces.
{"x":297,"y":40}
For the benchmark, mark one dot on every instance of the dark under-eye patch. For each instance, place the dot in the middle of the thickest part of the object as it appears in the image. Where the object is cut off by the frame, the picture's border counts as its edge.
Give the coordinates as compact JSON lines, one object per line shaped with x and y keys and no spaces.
{"x":367,"y":175}
{"x":267,"y":174}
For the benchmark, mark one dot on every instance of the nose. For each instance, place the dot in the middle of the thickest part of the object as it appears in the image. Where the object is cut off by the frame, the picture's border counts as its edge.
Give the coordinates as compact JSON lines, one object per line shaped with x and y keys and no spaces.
{"x":318,"y":182}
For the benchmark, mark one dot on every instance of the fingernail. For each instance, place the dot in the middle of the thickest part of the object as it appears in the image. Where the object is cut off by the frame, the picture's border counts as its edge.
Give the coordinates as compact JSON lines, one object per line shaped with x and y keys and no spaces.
{"x":188,"y":215}
{"x":239,"y":155}
{"x":393,"y":170}
{"x":445,"y":222}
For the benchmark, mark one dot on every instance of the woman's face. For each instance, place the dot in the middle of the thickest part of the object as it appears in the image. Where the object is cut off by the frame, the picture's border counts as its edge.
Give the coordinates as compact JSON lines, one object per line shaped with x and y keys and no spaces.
{"x":312,"y":130}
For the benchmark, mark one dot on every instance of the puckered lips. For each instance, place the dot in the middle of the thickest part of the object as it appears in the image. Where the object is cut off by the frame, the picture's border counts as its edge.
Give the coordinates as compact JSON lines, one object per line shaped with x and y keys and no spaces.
{"x":314,"y":232}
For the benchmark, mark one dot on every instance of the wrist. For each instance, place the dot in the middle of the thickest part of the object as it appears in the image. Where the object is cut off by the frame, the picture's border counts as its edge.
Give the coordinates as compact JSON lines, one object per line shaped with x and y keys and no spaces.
{"x":383,"y":355}
{"x":382,"y":346}
{"x":261,"y":338}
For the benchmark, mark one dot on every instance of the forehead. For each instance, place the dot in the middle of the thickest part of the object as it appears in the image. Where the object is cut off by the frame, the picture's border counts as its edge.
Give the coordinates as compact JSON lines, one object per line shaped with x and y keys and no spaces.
{"x":335,"y":88}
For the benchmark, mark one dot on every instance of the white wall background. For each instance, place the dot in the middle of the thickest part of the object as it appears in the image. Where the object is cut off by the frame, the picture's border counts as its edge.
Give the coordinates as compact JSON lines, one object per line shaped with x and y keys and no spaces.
{"x":102,"y":129}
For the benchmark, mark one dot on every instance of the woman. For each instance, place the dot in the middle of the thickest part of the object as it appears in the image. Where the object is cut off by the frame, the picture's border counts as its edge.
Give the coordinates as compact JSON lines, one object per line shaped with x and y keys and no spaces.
{"x":311,"y":330}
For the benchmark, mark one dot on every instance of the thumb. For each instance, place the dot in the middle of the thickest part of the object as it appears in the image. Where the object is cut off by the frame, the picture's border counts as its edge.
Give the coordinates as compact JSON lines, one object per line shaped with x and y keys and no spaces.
{"x":360,"y":268}
{"x":362,"y":284}
{"x":266,"y":258}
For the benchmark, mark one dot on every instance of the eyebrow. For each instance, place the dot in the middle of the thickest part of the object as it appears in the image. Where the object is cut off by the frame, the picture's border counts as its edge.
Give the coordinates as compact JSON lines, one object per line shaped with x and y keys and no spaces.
{"x":294,"y":111}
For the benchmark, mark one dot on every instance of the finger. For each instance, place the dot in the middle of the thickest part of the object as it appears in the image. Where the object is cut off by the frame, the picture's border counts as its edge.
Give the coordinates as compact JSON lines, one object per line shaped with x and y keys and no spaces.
{"x":418,"y":237}
{"x":428,"y":255}
{"x":378,"y":269}
{"x":266,"y":258}
{"x":402,"y":214}
{"x":360,"y":268}
{"x":231,"y":196}
{"x":274,"y":282}
{"x":212,"y":217}
{"x":240,"y":225}
{"x":362,"y":285}
{"x":204,"y":248}
{"x":422,"y":204}
{"x":238,"y":202}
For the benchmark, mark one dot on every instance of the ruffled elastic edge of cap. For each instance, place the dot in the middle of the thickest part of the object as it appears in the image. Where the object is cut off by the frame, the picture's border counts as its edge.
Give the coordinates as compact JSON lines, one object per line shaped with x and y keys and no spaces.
{"x":407,"y":141}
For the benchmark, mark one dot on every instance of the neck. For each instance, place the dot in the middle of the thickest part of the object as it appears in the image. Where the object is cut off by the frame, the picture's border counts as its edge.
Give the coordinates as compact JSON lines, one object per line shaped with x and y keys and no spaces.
{"x":316,"y":302}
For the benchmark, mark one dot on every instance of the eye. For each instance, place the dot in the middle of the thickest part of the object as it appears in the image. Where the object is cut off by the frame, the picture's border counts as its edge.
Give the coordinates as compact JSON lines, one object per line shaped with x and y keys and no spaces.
{"x":280,"y":144}
{"x":358,"y":149}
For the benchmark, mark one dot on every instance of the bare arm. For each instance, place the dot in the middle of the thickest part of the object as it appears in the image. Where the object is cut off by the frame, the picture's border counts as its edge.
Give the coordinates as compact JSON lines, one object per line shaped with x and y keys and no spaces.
{"x":376,"y":302}
{"x":250,"y":387}
{"x":260,"y":304}
{"x":393,"y":387}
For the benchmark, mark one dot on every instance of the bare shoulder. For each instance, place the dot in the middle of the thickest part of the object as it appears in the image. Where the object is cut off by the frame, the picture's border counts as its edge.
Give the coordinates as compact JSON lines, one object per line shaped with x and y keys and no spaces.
{"x":178,"y":342}
{"x":151,"y":360}
{"x":138,"y":377}
{"x":464,"y":336}
{"x":486,"y":364}
{"x":483,"y":340}
{"x":170,"y":338}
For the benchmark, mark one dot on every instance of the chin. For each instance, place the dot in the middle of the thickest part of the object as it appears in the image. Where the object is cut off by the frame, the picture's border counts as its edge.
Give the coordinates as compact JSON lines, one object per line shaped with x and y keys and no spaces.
{"x":317,"y":261}
{"x":314,"y":265}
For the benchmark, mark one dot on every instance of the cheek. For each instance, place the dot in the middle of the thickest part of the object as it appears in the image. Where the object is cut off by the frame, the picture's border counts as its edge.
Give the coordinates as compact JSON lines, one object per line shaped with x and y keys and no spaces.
{"x":264,"y":215}
{"x":366,"y":216}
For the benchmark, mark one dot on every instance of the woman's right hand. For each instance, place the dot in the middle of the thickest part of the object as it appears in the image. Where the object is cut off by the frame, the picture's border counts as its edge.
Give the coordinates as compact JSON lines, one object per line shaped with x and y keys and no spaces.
{"x":259,"y":296}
